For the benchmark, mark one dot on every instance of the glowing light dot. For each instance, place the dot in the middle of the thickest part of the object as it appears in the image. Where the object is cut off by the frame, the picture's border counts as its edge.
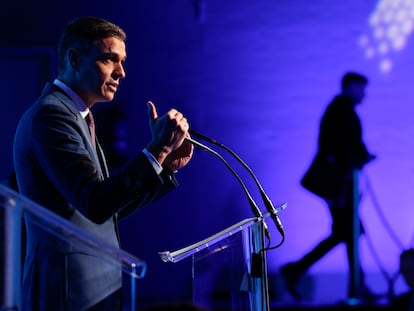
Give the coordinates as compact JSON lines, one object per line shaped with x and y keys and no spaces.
{"x":386,"y":65}
{"x":401,"y":15}
{"x":383,"y":48}
{"x":393,"y":31}
{"x":375,"y":19}
{"x":378,"y":32}
{"x":410,"y":11}
{"x":407,"y":26}
{"x":398,"y":43}
{"x":388,"y":16}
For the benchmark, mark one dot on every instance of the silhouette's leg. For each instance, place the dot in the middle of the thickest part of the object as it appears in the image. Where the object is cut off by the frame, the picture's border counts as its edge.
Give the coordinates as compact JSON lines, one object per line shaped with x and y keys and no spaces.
{"x":319,"y":251}
{"x":293,"y":271}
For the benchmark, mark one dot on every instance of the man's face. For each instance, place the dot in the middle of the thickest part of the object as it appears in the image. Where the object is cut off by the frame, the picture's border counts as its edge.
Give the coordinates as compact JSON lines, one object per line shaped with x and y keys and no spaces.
{"x":101,"y":70}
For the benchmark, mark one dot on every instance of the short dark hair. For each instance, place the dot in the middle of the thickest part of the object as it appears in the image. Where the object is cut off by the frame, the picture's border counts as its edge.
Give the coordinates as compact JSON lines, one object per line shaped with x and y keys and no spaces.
{"x":84,"y":31}
{"x":352,"y":77}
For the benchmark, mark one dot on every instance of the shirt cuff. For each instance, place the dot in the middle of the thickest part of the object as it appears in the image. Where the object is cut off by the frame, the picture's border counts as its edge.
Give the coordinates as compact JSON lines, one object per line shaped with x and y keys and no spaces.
{"x":157,"y":167}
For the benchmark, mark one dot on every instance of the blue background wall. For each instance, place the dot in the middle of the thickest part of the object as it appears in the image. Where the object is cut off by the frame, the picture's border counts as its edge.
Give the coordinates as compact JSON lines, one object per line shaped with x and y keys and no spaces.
{"x":257,"y":76}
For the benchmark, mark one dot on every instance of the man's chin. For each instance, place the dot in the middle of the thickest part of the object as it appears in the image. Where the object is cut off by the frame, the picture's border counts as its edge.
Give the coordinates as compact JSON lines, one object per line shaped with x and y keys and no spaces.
{"x":107,"y":98}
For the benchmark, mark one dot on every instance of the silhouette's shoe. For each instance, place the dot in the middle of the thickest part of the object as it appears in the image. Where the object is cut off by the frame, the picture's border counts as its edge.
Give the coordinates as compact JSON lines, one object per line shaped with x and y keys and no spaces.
{"x":291,"y":278}
{"x":366,"y":296}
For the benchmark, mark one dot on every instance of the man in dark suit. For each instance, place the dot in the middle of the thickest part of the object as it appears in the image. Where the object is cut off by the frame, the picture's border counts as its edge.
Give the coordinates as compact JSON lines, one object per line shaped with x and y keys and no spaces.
{"x":341,"y":152}
{"x":60,"y":165}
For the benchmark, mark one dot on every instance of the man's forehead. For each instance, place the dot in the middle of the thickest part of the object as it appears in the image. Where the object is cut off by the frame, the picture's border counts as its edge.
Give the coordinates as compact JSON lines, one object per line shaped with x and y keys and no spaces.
{"x":112,"y":45}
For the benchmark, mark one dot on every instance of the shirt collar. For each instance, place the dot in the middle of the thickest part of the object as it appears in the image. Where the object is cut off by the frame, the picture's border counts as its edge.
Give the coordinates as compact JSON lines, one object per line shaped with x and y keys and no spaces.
{"x":83,"y":109}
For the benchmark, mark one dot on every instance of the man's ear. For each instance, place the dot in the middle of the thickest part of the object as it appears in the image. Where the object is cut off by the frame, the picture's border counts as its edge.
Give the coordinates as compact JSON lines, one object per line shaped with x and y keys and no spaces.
{"x":73,"y":58}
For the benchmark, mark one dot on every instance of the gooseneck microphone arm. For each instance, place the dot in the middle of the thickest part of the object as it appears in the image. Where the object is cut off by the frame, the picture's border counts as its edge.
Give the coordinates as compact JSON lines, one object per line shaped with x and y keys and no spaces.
{"x":255,"y":209}
{"x":267,"y":202}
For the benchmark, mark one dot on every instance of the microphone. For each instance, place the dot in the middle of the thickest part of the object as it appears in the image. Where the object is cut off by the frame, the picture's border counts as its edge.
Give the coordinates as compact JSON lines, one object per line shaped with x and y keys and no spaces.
{"x":267,"y":202}
{"x":255,"y":209}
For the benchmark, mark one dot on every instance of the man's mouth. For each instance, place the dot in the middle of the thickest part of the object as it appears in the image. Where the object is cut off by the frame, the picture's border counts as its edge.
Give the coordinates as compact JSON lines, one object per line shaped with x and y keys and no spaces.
{"x":112,"y":86}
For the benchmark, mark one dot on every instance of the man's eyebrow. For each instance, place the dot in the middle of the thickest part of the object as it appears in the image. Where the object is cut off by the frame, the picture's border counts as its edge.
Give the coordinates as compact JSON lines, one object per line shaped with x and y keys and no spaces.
{"x":111,"y":55}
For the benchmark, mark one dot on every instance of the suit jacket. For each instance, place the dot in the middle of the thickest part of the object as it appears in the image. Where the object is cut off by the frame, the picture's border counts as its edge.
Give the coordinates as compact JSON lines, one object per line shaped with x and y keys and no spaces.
{"x":340,"y":135}
{"x":340,"y":151}
{"x":57,"y":167}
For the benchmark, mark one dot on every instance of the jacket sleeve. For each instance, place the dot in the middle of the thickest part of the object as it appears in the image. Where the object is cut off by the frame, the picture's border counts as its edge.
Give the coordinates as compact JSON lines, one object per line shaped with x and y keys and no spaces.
{"x":60,"y":145}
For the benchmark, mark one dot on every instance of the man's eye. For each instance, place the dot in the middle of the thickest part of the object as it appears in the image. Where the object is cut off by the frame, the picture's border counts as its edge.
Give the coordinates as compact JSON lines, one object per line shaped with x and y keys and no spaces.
{"x":104,"y":59}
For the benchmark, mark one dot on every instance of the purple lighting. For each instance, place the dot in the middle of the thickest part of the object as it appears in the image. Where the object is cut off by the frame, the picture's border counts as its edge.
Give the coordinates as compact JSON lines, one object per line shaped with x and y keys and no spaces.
{"x":391,"y":24}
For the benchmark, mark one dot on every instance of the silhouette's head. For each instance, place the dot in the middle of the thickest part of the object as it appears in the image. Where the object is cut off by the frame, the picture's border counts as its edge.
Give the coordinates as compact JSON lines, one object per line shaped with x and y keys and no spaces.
{"x":353,"y":85}
{"x":407,"y":266}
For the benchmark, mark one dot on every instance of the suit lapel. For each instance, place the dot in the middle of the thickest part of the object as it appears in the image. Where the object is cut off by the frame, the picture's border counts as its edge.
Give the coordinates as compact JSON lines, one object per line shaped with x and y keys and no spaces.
{"x":102,"y":160}
{"x":98,"y":159}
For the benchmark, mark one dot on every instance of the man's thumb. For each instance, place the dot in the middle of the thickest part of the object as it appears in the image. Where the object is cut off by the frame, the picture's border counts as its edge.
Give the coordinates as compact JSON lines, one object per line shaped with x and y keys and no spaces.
{"x":152,"y":111}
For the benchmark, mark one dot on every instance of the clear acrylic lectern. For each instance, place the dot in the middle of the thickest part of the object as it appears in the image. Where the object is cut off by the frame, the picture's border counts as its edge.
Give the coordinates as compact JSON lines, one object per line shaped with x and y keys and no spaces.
{"x":229,"y":268}
{"x":12,"y":208}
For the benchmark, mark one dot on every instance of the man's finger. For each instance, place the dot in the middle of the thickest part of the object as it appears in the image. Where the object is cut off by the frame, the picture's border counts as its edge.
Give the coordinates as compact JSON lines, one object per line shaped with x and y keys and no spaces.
{"x":152,"y":111}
